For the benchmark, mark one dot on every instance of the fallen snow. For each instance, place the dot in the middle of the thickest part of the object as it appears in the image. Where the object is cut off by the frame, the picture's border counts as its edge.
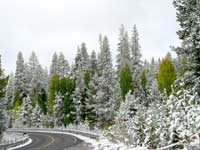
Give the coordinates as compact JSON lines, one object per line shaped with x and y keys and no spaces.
{"x":22,"y":145}
{"x":105,"y":144}
{"x":12,"y":137}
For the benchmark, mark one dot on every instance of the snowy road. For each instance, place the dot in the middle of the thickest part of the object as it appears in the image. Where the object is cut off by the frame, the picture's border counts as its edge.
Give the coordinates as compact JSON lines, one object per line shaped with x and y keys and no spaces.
{"x":51,"y":141}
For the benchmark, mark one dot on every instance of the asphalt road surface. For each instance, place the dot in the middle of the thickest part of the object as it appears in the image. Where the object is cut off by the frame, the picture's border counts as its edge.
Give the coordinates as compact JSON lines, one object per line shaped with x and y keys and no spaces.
{"x":51,"y":141}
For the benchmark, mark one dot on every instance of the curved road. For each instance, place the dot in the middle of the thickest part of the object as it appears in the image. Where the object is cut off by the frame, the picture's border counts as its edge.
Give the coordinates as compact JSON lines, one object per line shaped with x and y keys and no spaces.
{"x":51,"y":141}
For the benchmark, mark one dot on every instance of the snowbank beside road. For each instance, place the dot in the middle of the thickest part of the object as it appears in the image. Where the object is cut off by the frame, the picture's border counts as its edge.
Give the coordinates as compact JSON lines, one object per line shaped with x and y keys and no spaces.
{"x":21,"y":145}
{"x":11,"y":137}
{"x":14,"y":140}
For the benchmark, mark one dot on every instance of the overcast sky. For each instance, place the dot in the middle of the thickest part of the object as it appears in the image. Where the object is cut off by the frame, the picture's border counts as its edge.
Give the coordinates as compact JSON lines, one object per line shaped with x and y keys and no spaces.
{"x":46,"y":26}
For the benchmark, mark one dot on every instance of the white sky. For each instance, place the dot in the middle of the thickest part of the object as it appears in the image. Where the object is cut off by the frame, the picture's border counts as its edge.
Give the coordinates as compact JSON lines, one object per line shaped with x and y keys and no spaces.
{"x":46,"y":26}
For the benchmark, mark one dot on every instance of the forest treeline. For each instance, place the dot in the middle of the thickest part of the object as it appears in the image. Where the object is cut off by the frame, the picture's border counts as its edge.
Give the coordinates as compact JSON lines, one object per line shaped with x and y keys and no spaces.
{"x":90,"y":90}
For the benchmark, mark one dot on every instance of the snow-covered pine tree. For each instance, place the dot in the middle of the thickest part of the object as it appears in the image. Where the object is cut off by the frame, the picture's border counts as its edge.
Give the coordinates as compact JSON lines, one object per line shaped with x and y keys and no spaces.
{"x":23,"y":116}
{"x":79,"y":97}
{"x":188,"y":17}
{"x":144,"y":81}
{"x":136,"y":62}
{"x":153,"y":65}
{"x":10,"y":91}
{"x":154,"y":95}
{"x":58,"y":113}
{"x":189,"y":33}
{"x":54,"y":65}
{"x":36,"y":79}
{"x":81,"y":75}
{"x":123,"y":129}
{"x":63,"y":66}
{"x":146,"y":64}
{"x":36,"y":117}
{"x":20,"y":85}
{"x":33,"y":72}
{"x":93,"y":62}
{"x":105,"y":88}
{"x":3,"y":83}
{"x":20,"y":77}
{"x":149,"y":77}
{"x":184,"y":111}
{"x":84,"y":58}
{"x":91,"y":116}
{"x":42,"y":101}
{"x":9,"y":97}
{"x":27,"y":78}
{"x":181,"y":67}
{"x":99,"y":57}
{"x":156,"y":125}
{"x":68,"y":102}
{"x":82,"y":61}
{"x":116,"y":97}
{"x":78,"y":64}
{"x":105,"y":55}
{"x":123,"y":56}
{"x":33,"y":63}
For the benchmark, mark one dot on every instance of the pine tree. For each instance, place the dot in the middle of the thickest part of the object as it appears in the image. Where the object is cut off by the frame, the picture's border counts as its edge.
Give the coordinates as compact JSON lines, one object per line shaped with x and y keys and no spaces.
{"x":136,"y":63}
{"x":10,"y":91}
{"x":123,"y":56}
{"x":33,"y":63}
{"x":91,"y":116}
{"x":81,"y":75}
{"x":144,"y":81}
{"x":99,"y":57}
{"x":27,"y":79}
{"x":23,"y":116}
{"x":125,"y":80}
{"x":20,"y":83}
{"x":93,"y":62}
{"x":9,"y":98}
{"x":36,"y":117}
{"x":124,"y":120}
{"x":182,"y":66}
{"x":3,"y":83}
{"x":63,"y":65}
{"x":166,"y":75}
{"x":42,"y":101}
{"x":54,"y":65}
{"x":188,"y":18}
{"x":35,"y":74}
{"x":104,"y":108}
{"x":16,"y":103}
{"x":84,"y":58}
{"x":184,"y":114}
{"x":79,"y":97}
{"x":154,"y":95}
{"x":54,"y":88}
{"x":68,"y":102}
{"x":58,"y":113}
{"x":105,"y":55}
{"x":20,"y":78}
{"x":78,"y":62}
{"x":116,"y":97}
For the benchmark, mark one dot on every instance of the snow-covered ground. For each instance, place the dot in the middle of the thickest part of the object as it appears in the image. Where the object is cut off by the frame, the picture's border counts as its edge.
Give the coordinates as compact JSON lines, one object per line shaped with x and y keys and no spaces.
{"x":12,"y":137}
{"x":22,"y":145}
